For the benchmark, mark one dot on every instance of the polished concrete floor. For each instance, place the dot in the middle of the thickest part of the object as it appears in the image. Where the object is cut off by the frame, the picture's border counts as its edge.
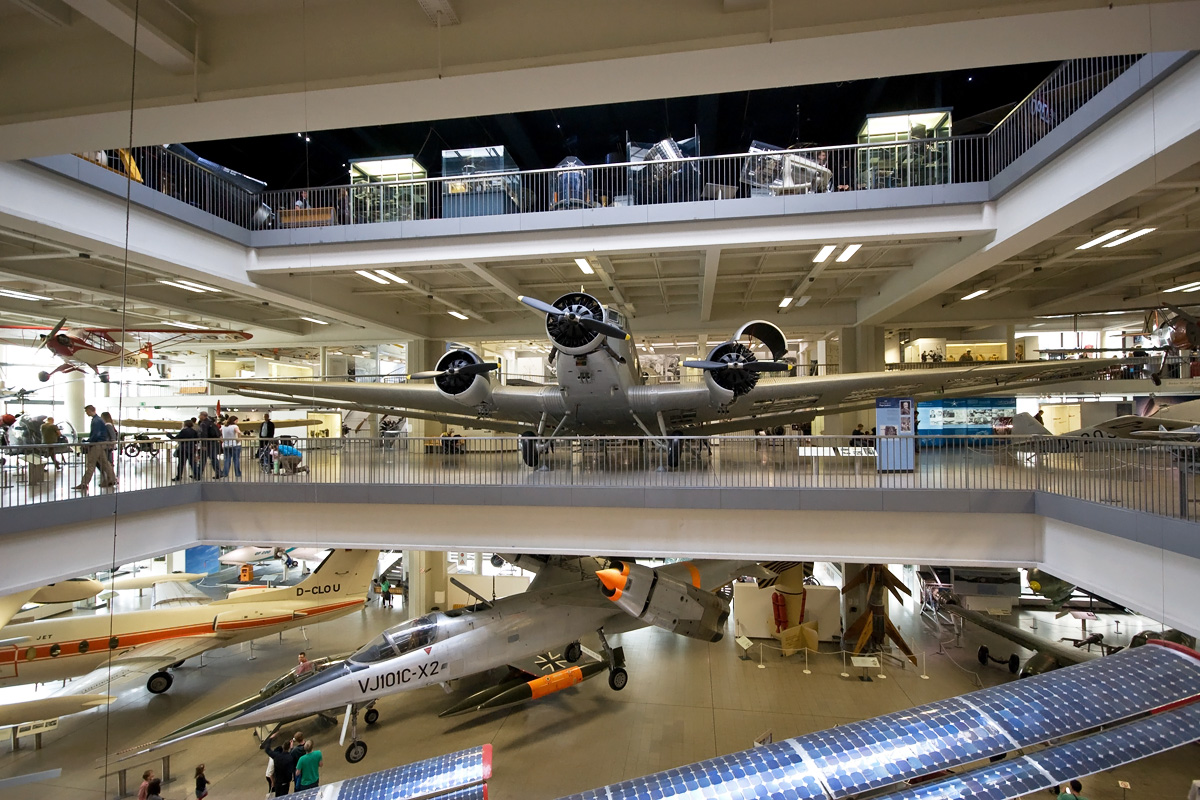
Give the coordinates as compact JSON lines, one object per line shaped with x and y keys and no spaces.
{"x":686,"y":700}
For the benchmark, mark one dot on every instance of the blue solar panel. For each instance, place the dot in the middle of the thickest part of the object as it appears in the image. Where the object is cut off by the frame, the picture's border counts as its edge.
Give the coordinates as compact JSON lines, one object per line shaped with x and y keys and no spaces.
{"x":429,"y":778}
{"x":908,"y":744}
{"x":1060,"y":764}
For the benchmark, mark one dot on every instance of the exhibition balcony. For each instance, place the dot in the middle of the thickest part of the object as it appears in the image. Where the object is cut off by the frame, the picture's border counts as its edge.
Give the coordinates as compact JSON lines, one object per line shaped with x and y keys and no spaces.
{"x":928,"y":167}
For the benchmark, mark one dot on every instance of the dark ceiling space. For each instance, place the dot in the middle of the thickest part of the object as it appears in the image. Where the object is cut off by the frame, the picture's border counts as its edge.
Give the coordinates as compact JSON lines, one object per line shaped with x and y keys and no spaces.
{"x":828,"y":114}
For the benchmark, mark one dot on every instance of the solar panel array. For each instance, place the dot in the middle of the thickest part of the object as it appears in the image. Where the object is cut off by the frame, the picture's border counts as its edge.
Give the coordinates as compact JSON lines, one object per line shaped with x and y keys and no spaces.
{"x":874,"y":753}
{"x":1058,"y":765}
{"x":434,"y":777}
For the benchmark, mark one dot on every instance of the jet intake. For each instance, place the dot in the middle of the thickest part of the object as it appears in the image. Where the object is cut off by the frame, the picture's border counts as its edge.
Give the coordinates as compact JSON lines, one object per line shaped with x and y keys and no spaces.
{"x":664,"y":601}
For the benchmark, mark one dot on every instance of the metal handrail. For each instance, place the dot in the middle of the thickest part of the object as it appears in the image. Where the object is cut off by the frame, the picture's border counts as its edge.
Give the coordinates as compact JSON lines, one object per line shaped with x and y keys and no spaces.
{"x":1151,"y":477}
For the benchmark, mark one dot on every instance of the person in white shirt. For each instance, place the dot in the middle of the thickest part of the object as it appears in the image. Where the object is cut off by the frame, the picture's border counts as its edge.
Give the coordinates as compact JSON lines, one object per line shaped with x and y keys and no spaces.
{"x":232,"y":444}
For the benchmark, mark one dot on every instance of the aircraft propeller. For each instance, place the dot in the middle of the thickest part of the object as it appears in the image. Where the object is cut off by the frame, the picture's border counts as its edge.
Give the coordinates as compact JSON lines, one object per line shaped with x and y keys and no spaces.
{"x":53,"y":332}
{"x":587,"y":323}
{"x":747,"y":366}
{"x":468,"y":370}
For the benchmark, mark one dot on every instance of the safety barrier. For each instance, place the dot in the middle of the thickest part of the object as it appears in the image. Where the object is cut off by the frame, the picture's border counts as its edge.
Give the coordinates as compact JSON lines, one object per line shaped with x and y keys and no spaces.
{"x":1155,"y":478}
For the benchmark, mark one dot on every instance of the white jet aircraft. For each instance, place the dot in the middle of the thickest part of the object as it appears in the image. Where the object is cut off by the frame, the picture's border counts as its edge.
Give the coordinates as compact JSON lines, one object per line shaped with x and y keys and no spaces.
{"x":567,"y":599}
{"x":601,"y":391}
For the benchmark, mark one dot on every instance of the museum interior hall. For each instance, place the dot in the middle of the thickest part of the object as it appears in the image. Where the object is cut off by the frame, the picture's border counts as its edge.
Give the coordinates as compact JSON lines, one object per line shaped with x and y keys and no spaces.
{"x":694,"y":399}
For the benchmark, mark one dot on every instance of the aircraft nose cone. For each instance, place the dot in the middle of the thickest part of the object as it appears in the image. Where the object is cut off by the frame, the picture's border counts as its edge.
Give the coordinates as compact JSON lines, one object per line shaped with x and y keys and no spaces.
{"x":613,"y":581}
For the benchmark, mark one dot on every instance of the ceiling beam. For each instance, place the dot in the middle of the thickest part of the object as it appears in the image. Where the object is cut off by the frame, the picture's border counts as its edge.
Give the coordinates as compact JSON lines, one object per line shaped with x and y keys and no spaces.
{"x":173,"y":50}
{"x":510,"y":289}
{"x":1116,"y":283}
{"x":604,"y":268}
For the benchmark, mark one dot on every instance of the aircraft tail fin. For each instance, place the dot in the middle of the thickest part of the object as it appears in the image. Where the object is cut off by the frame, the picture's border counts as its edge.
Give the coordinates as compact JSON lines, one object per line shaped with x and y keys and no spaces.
{"x":1025,"y":425}
{"x":343,"y":574}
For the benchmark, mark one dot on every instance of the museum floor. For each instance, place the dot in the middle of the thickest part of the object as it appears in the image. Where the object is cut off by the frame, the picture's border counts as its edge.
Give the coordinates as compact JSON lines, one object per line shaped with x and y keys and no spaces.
{"x":686,"y":700}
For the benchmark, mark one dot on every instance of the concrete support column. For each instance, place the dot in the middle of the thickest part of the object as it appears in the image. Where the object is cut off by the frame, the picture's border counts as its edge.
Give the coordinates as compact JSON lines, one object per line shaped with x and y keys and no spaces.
{"x":73,"y":402}
{"x":212,"y":364}
{"x":848,"y":360}
{"x":1010,"y":342}
{"x":870,"y":348}
{"x":426,"y":577}
{"x":423,"y":354}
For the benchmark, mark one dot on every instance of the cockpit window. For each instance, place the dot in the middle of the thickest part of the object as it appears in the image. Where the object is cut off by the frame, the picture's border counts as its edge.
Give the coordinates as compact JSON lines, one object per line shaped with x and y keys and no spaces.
{"x":403,"y":638}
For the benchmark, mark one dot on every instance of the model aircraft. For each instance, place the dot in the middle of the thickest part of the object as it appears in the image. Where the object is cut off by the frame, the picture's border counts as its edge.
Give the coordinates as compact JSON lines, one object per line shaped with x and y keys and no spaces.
{"x":140,"y":642}
{"x":252,"y":555}
{"x":1000,"y":743}
{"x":95,"y":348}
{"x":601,"y":390}
{"x":568,"y":598}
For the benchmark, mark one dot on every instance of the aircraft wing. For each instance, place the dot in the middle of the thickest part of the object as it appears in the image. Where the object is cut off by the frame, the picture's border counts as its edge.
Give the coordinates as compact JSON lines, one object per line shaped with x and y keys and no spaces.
{"x":885,"y":752}
{"x":10,"y":604}
{"x":50,"y":707}
{"x":513,"y":408}
{"x":178,"y":593}
{"x":1020,"y":636}
{"x":457,"y":776}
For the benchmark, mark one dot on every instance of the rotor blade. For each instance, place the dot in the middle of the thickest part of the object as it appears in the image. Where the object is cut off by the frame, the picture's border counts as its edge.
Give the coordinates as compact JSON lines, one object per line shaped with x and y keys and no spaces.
{"x":596,"y":326}
{"x":545,"y":308}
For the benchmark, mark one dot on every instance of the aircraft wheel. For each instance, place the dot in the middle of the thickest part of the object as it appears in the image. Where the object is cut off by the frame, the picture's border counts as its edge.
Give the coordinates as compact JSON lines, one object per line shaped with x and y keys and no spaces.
{"x":674,"y":449}
{"x":1014,"y":664}
{"x":372,"y":716}
{"x":43,"y":376}
{"x":159,"y":682}
{"x":574,"y":652}
{"x":529,"y":449}
{"x":131,"y":450}
{"x":617,"y":678}
{"x":983,"y":654}
{"x":356,"y":752}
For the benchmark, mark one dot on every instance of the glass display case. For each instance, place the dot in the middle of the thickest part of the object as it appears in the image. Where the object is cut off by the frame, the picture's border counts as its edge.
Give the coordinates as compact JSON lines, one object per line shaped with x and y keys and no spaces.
{"x":911,"y":148}
{"x":480,"y":181}
{"x":659,"y":172}
{"x":388,"y":189}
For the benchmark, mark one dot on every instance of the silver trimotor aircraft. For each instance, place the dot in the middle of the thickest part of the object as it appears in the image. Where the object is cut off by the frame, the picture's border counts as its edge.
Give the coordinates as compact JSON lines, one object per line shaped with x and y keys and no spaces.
{"x":569,"y":598}
{"x":600,"y":389}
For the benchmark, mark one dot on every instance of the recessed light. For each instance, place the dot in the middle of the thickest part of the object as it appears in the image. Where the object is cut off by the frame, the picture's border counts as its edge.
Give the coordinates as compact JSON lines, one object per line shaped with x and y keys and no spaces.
{"x":178,"y":285}
{"x":458,"y":315}
{"x":584,"y":266}
{"x":1130,"y":237}
{"x":370,"y":276}
{"x":22,"y":295}
{"x":391,"y":276}
{"x":824,"y":253}
{"x":195,"y":285}
{"x":313,"y":320}
{"x":849,"y":252}
{"x":1101,"y":239}
{"x":187,"y":325}
{"x":974,"y":294}
{"x":785,"y":302}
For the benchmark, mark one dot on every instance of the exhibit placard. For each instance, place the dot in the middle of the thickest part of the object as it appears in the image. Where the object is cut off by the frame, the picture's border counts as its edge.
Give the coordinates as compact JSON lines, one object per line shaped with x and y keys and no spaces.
{"x":894,"y":428}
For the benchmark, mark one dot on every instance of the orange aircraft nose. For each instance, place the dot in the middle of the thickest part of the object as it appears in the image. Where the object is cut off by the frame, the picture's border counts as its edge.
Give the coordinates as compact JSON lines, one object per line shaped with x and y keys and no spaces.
{"x":614,"y":582}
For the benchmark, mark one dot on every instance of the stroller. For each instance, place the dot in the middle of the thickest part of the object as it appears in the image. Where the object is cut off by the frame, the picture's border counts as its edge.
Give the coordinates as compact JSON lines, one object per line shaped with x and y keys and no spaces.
{"x":265,"y":461}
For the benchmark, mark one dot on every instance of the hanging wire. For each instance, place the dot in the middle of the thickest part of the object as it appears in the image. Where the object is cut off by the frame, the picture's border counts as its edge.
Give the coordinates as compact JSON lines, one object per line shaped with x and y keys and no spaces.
{"x":120,"y":386}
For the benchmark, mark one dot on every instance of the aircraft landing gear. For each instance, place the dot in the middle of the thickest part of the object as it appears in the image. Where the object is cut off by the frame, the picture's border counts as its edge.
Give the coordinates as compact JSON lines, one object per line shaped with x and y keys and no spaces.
{"x":573,"y":652}
{"x":159,"y":682}
{"x":1012,"y":662}
{"x":530,"y":453}
{"x":357,"y":750}
{"x":43,"y":376}
{"x":372,"y":716}
{"x":618,"y":677}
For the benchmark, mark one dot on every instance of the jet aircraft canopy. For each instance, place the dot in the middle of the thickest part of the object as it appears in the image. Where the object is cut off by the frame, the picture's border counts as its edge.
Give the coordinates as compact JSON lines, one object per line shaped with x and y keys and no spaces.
{"x":398,"y":640}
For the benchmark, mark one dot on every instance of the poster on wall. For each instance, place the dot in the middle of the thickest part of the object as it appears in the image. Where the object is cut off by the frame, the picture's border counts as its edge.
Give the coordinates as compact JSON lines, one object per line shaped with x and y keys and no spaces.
{"x":895,"y":423}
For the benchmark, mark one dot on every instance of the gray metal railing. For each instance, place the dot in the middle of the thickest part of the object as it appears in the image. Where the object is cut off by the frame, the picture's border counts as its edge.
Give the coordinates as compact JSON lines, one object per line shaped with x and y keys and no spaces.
{"x":1154,"y":478}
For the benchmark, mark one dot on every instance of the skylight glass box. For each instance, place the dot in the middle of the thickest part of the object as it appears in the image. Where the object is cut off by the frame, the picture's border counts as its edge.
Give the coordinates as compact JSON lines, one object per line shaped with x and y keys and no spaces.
{"x":388,"y":189}
{"x":910,"y":148}
{"x":480,"y":181}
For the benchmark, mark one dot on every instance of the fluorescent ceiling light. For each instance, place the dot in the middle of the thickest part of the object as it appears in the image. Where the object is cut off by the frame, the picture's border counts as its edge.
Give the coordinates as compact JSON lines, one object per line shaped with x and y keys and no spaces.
{"x":458,"y":315}
{"x":974,"y":294}
{"x":1130,"y":237}
{"x":187,"y":325}
{"x":22,"y":295}
{"x":824,"y":254}
{"x":1101,"y":239}
{"x":785,"y":302}
{"x":1191,"y":289}
{"x":185,"y":287}
{"x":585,"y":266}
{"x":391,"y":276}
{"x":1187,"y":287}
{"x":370,"y":276}
{"x":849,"y":252}
{"x":195,"y":285}
{"x":316,"y":321}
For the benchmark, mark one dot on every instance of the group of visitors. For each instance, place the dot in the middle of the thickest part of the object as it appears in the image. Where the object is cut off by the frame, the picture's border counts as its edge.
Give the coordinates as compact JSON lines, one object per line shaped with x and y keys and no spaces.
{"x":151,"y":788}
{"x":294,"y":767}
{"x":203,"y":439}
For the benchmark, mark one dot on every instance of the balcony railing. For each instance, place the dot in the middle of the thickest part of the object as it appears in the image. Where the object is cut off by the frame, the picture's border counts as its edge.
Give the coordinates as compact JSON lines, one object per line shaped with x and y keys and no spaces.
{"x":1155,"y":478}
